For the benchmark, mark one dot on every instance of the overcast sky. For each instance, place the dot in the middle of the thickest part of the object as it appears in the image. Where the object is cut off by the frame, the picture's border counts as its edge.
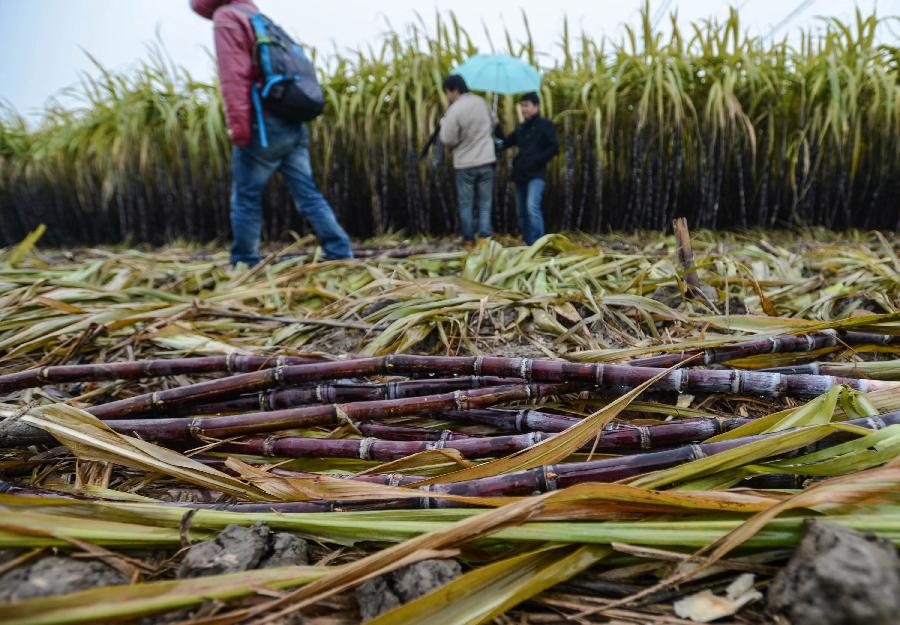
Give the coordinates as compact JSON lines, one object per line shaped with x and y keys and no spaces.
{"x":43,"y":42}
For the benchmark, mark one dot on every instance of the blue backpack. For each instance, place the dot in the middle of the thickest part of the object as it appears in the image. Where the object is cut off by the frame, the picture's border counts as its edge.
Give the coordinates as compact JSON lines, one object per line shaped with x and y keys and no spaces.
{"x":289,"y":88}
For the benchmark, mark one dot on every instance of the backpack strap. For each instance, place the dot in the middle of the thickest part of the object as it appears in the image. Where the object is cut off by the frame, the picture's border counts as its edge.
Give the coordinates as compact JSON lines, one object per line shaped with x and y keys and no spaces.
{"x":257,"y":24}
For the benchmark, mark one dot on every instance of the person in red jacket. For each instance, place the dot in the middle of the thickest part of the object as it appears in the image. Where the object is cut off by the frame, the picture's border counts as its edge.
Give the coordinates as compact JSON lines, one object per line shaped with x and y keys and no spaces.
{"x":287,"y":150}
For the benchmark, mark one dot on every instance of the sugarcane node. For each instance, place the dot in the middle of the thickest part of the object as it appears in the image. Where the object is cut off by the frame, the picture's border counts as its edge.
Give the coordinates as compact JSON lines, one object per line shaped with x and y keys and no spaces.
{"x":195,"y":427}
{"x":679,"y":379}
{"x":646,"y":438}
{"x":156,"y":401}
{"x":525,"y":369}
{"x":697,"y":452}
{"x":390,"y":390}
{"x":737,"y":381}
{"x":549,"y":478}
{"x":268,"y":445}
{"x":598,"y":371}
{"x":520,"y":416}
{"x":365,"y":446}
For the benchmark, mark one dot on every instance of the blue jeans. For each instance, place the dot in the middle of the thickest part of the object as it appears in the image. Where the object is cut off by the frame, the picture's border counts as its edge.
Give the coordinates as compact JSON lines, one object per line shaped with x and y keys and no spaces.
{"x":475,"y":185}
{"x":528,"y":208}
{"x":253,"y":165}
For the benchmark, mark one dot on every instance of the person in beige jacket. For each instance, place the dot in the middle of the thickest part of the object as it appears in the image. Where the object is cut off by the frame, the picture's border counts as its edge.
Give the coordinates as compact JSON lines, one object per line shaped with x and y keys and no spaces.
{"x":467,"y":129}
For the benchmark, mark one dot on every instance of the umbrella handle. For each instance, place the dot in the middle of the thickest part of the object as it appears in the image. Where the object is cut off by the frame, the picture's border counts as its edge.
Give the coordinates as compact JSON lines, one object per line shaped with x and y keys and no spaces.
{"x":496,"y":98}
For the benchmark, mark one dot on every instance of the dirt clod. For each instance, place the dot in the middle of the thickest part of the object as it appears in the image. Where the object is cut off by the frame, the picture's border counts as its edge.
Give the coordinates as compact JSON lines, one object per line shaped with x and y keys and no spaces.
{"x":384,"y":593}
{"x":839,"y":577}
{"x":239,"y":548}
{"x":668,"y":295}
{"x":55,"y":575}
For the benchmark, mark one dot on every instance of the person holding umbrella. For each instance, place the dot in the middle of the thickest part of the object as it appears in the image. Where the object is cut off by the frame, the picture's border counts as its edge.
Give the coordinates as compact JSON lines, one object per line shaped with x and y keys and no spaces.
{"x":537,"y":142}
{"x":535,"y":136}
{"x":466,"y":128}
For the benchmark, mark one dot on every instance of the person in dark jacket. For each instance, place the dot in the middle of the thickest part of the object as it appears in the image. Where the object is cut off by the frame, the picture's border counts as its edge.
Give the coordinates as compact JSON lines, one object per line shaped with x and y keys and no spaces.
{"x":252,"y":164}
{"x":537,"y":143}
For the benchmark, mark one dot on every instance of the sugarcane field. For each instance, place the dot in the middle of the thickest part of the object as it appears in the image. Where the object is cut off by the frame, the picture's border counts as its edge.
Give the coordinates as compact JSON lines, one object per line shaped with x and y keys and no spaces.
{"x":399,"y":314}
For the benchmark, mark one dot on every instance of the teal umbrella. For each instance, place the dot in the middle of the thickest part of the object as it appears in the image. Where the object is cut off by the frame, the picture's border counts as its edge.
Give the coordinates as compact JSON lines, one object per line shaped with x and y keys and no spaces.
{"x":499,"y":73}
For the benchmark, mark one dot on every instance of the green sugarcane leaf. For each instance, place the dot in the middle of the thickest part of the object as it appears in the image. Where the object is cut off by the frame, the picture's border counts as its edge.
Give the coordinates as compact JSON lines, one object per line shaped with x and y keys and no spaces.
{"x":89,"y":438}
{"x":481,"y":595}
{"x":555,"y":448}
{"x":18,"y":253}
{"x":883,"y":400}
{"x":856,"y":404}
{"x":865,"y":452}
{"x":116,"y":603}
{"x":817,"y":411}
{"x":748,"y":453}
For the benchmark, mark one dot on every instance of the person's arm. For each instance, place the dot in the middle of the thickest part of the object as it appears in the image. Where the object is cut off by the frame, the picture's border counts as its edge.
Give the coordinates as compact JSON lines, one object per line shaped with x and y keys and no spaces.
{"x":551,"y":143}
{"x":451,"y":132}
{"x":234,"y":56}
{"x":511,"y":139}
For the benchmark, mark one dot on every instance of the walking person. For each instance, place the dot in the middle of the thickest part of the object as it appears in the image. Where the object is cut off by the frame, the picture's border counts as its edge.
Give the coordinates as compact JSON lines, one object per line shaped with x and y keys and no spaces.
{"x":537,"y":142}
{"x":263,"y":142}
{"x":467,"y":130}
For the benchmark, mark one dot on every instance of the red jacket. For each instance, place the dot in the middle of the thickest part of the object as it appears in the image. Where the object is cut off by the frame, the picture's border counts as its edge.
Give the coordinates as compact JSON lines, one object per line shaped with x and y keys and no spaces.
{"x":235,"y":45}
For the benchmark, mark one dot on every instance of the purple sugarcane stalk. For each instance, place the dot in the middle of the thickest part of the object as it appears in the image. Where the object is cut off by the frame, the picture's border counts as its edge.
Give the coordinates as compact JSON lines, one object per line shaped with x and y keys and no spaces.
{"x":774,"y":345}
{"x":343,"y":392}
{"x":519,"y":483}
{"x":525,"y":420}
{"x":180,"y":429}
{"x":184,"y":428}
{"x":618,"y":440}
{"x":542,"y":479}
{"x":136,"y":369}
{"x":587,"y":374}
{"x":852,"y":337}
{"x":823,"y":368}
{"x":610,"y":470}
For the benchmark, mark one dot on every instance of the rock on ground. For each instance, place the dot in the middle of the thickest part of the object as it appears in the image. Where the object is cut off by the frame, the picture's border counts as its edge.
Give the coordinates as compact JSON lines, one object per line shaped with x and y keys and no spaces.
{"x":839,"y":577}
{"x":239,"y":548}
{"x":55,"y":575}
{"x":384,"y":593}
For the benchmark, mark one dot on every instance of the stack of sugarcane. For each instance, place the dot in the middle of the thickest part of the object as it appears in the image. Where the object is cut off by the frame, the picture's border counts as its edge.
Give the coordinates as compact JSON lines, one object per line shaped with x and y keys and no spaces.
{"x":384,"y":409}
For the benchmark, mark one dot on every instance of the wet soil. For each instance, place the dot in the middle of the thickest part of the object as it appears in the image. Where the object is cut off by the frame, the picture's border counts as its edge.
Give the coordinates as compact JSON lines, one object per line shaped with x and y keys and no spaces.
{"x":55,"y":575}
{"x":384,"y":593}
{"x":239,"y":548}
{"x":839,"y":577}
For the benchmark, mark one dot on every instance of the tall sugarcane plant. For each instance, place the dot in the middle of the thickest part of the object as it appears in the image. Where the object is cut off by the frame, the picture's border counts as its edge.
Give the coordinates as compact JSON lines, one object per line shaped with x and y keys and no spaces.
{"x":725,"y":128}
